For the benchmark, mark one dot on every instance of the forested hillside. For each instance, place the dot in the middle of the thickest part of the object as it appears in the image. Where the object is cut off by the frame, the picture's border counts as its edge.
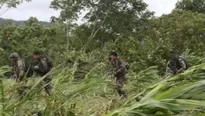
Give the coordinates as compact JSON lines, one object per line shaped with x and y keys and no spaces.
{"x":83,"y":84}
{"x":2,"y":21}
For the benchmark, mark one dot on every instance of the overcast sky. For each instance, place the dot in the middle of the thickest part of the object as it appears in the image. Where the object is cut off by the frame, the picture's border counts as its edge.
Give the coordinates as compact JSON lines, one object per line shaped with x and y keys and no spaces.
{"x":41,"y":10}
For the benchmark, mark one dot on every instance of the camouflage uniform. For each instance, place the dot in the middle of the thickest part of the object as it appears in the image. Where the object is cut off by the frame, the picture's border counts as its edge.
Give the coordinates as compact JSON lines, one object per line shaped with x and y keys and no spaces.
{"x":18,"y":69}
{"x":42,"y":69}
{"x":18,"y":74}
{"x":176,"y":66}
{"x":119,"y":70}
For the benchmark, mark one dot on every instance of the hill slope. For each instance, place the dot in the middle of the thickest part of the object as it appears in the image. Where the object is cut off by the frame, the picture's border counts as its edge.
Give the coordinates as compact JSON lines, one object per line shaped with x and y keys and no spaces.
{"x":2,"y":20}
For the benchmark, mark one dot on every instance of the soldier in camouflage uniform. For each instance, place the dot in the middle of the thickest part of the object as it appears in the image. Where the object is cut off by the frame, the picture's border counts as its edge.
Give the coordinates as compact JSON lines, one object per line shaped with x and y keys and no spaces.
{"x":176,"y":64}
{"x":18,"y":72}
{"x":42,"y":68}
{"x":18,"y":66}
{"x":119,"y":71}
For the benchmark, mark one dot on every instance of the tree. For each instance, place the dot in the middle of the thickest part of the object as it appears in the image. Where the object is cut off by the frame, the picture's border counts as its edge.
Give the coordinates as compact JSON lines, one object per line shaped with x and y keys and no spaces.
{"x":53,"y":19}
{"x":191,"y":5}
{"x":11,"y":3}
{"x":180,"y":28}
{"x":116,"y":17}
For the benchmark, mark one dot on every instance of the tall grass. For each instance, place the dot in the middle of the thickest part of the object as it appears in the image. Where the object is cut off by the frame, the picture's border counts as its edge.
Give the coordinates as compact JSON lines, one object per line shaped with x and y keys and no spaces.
{"x":171,"y":96}
{"x":85,"y":87}
{"x":94,"y":94}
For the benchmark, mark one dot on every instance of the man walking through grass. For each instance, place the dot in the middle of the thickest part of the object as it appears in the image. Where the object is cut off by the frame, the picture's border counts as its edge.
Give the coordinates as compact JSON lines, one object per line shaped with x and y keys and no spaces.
{"x":119,"y":71}
{"x":43,"y":68}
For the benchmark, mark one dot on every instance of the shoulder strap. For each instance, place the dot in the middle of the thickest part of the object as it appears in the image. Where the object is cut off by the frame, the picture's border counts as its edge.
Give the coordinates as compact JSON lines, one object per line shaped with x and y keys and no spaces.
{"x":184,"y":61}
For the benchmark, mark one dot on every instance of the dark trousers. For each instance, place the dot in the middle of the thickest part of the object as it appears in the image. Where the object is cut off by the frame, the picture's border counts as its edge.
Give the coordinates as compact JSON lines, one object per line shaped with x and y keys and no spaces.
{"x":47,"y":81}
{"x":47,"y":84}
{"x":120,"y":81}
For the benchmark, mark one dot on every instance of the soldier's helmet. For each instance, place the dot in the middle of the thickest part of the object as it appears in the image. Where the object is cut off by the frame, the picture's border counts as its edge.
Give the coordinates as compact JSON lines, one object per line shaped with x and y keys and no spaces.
{"x":113,"y":53}
{"x":14,"y":55}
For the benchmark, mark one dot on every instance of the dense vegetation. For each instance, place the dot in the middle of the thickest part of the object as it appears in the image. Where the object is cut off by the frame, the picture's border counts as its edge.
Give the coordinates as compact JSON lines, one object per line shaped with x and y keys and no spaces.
{"x":82,"y":83}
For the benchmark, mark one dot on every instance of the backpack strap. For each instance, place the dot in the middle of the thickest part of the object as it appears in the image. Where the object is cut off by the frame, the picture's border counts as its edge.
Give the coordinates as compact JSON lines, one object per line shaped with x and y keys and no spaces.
{"x":181,"y":58}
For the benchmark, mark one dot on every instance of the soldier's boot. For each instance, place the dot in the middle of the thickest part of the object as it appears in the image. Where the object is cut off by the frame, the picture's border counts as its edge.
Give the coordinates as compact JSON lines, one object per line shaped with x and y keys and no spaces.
{"x":72,"y":106}
{"x":22,"y":91}
{"x":37,"y":114}
{"x":48,"y":89}
{"x":121,"y":92}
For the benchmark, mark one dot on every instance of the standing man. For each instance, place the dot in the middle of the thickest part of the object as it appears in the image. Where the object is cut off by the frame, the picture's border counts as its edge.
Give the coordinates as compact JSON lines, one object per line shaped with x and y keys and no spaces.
{"x":176,"y":64}
{"x":119,"y":71}
{"x":18,"y":72}
{"x":18,"y":67}
{"x":42,"y":68}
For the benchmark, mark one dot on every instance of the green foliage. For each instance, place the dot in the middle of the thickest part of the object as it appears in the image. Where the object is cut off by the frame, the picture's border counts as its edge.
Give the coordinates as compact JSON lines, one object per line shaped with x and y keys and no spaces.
{"x":80,"y":56}
{"x":28,"y":37}
{"x":11,"y":3}
{"x":191,"y":5}
{"x":105,"y":19}
{"x":180,"y":28}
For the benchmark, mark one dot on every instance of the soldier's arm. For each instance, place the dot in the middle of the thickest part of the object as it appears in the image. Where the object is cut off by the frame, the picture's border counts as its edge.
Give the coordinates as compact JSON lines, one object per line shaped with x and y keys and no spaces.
{"x":44,"y":66}
{"x":122,"y":67}
{"x":183,"y":65}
